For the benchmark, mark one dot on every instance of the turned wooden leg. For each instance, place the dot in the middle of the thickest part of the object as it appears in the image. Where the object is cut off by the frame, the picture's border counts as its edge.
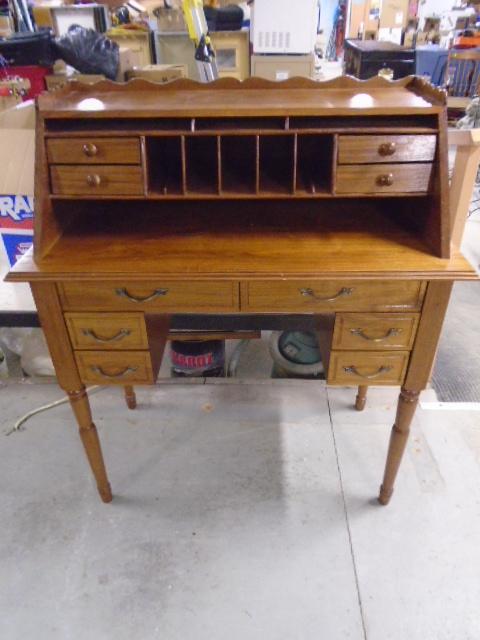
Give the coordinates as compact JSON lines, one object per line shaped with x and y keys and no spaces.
{"x":361,"y":398}
{"x":130,"y":397}
{"x":407,"y":403}
{"x":91,"y":443}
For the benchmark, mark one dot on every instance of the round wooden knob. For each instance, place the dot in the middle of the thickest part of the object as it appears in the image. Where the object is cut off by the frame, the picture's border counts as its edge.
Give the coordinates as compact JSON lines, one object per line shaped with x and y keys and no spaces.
{"x":90,"y":150}
{"x":93,"y":180}
{"x":385,"y":180}
{"x":387,"y":149}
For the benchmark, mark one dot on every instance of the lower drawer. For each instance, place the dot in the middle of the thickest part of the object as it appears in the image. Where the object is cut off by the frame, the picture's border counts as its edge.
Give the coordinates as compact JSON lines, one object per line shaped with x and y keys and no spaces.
{"x":332,"y":295}
{"x":384,"y":178}
{"x":115,"y":367}
{"x":96,"y":180}
{"x":367,"y":368}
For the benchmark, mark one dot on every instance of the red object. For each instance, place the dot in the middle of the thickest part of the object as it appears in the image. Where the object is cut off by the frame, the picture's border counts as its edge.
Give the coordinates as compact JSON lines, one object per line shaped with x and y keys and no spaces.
{"x":35,"y":74}
{"x":463,"y":42}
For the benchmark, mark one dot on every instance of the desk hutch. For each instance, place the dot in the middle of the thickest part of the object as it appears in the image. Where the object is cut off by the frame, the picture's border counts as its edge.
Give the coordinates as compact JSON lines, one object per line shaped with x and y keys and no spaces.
{"x":329,"y":199}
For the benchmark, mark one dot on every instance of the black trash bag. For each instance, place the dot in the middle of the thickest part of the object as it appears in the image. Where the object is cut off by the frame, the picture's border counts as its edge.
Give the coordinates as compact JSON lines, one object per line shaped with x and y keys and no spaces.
{"x":228,"y":18}
{"x":89,"y":52}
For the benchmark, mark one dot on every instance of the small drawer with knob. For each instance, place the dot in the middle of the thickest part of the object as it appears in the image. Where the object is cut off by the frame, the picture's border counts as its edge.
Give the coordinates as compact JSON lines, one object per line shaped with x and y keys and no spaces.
{"x":367,"y":368}
{"x":369,"y":149}
{"x":93,"y":150}
{"x":107,"y":331}
{"x":116,"y":367}
{"x":375,"y":331}
{"x":383,"y":178}
{"x":96,"y":180}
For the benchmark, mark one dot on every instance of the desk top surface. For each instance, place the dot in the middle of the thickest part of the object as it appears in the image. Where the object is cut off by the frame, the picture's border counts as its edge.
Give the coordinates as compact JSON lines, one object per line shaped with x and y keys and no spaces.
{"x":198,"y":247}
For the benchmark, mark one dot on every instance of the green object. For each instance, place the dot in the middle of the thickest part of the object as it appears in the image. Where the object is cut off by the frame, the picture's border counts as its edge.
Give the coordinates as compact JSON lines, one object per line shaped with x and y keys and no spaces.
{"x":300,"y":347}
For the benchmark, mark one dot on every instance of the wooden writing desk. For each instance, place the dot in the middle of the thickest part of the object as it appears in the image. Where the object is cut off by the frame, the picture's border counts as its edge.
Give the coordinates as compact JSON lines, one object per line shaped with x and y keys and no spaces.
{"x":328,"y":199}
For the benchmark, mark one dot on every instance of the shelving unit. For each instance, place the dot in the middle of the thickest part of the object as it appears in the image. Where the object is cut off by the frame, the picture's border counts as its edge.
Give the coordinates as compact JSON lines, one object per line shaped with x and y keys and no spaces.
{"x":189,"y":150}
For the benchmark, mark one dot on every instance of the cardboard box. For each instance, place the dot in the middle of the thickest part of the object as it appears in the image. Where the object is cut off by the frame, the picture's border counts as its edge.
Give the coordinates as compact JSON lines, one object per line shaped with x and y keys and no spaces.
{"x":394,"y":14}
{"x":135,"y":40}
{"x":283,"y":67}
{"x":59,"y":80}
{"x":159,"y":72}
{"x":17,"y":151}
{"x":6,"y":26}
{"x":170,"y":20}
{"x":364,"y":17}
{"x":43,"y":17}
{"x":128,"y":60}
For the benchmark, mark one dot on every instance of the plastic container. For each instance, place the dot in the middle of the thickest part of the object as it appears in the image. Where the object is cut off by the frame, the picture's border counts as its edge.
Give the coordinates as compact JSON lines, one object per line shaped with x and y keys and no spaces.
{"x":430,"y":62}
{"x":198,"y":359}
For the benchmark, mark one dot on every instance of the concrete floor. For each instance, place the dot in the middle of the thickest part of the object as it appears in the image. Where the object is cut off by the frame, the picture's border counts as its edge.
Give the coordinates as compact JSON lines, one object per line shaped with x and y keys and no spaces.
{"x":241,"y":511}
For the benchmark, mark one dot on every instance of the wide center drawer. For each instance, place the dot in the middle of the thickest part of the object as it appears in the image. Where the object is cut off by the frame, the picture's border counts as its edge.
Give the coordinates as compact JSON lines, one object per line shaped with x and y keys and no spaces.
{"x":109,"y":331}
{"x":383,"y":178}
{"x":96,"y":180}
{"x":93,"y":151}
{"x":332,"y":295}
{"x":161,"y":296}
{"x":402,"y":148}
{"x":374,"y":331}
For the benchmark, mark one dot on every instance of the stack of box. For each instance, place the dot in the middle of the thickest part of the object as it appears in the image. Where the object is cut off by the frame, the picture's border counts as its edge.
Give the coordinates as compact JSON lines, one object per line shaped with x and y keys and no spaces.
{"x":284,"y":39}
{"x":17,"y":146}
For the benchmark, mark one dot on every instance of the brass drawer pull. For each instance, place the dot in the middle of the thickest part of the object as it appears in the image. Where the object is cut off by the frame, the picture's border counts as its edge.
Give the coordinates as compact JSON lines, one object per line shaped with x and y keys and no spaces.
{"x":123,"y":293}
{"x":90,"y":149}
{"x":310,"y":293}
{"x":352,"y":369}
{"x":387,"y":149}
{"x":93,"y":180}
{"x":361,"y":334}
{"x":385,"y":180}
{"x":123,"y":374}
{"x":123,"y":333}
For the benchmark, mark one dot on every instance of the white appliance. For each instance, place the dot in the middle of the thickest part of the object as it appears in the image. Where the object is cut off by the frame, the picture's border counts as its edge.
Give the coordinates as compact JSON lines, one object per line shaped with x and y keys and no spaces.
{"x":284,"y":26}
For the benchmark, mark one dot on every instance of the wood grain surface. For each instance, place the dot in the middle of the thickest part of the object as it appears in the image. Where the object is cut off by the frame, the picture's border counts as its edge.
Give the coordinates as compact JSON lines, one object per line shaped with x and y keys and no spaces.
{"x":109,"y":331}
{"x":325,"y":296}
{"x":367,"y":368}
{"x":177,"y":296}
{"x":375,"y":331}
{"x":115,"y":367}
{"x":370,"y":178}
{"x":97,"y":179}
{"x":256,"y":97}
{"x":93,"y":150}
{"x":195,"y":243}
{"x":388,"y":149}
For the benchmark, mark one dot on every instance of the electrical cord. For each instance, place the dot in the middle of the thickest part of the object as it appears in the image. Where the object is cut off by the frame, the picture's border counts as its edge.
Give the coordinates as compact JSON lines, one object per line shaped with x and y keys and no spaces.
{"x":18,"y":424}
